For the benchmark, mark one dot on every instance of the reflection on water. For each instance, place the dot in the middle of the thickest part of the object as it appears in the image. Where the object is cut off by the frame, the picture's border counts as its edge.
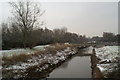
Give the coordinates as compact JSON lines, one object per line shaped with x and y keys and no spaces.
{"x":77,"y":67}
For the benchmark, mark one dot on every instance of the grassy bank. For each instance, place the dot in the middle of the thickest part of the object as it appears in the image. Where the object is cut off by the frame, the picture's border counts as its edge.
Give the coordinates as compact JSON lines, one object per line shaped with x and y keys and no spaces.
{"x":23,"y":57}
{"x":22,"y":65}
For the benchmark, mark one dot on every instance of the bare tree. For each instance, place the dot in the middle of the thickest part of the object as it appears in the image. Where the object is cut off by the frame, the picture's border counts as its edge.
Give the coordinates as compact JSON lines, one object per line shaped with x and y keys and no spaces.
{"x":27,"y":17}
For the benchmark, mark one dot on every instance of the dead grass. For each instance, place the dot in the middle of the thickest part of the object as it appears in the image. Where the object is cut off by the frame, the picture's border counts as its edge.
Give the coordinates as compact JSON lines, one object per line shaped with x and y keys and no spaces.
{"x":61,"y":46}
{"x":37,"y":53}
{"x":15,"y":58}
{"x":24,"y":57}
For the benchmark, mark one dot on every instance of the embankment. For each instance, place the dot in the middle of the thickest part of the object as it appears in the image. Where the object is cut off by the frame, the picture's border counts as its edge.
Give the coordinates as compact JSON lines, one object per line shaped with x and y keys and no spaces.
{"x":35,"y":65}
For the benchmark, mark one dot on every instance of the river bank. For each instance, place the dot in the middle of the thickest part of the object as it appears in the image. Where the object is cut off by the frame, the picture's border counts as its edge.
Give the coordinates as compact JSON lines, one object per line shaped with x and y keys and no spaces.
{"x":24,"y":65}
{"x":108,"y":57}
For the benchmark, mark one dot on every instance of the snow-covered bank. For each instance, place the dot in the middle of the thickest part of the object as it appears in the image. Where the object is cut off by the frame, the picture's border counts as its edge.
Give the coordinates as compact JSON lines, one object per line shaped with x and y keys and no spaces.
{"x":108,"y":56}
{"x":21,"y":51}
{"x":88,"y":50}
{"x":43,"y":61}
{"x":108,"y":53}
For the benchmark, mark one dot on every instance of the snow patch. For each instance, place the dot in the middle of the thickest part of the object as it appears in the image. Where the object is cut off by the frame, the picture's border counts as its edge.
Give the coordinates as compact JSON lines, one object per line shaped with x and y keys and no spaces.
{"x":108,"y":53}
{"x":21,"y":51}
{"x":108,"y":58}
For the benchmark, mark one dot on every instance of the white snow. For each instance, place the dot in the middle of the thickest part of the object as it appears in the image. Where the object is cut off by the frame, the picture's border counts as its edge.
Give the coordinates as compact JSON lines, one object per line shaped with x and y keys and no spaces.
{"x":41,"y":47}
{"x":88,"y":50}
{"x":107,"y":54}
{"x":21,"y":51}
{"x":15,"y":52}
{"x":105,"y":68}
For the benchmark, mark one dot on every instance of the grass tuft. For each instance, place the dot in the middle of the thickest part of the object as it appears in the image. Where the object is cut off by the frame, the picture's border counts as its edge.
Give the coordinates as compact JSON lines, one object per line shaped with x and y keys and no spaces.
{"x":15,"y":58}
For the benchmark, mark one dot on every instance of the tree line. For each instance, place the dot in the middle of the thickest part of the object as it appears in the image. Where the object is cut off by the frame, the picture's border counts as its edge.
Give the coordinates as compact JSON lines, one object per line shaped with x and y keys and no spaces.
{"x":107,"y":37}
{"x":12,"y":37}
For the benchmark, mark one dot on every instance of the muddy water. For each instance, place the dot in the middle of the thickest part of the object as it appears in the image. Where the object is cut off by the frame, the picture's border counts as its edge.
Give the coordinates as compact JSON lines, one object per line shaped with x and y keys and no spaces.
{"x":76,"y":67}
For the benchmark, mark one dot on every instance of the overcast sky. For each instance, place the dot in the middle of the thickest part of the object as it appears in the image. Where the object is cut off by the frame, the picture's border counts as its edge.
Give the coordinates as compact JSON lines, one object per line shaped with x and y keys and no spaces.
{"x":89,"y":18}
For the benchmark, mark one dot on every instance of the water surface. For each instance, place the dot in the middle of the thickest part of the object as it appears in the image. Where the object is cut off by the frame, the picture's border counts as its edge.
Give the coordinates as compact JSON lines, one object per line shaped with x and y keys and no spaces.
{"x":77,"y":67}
